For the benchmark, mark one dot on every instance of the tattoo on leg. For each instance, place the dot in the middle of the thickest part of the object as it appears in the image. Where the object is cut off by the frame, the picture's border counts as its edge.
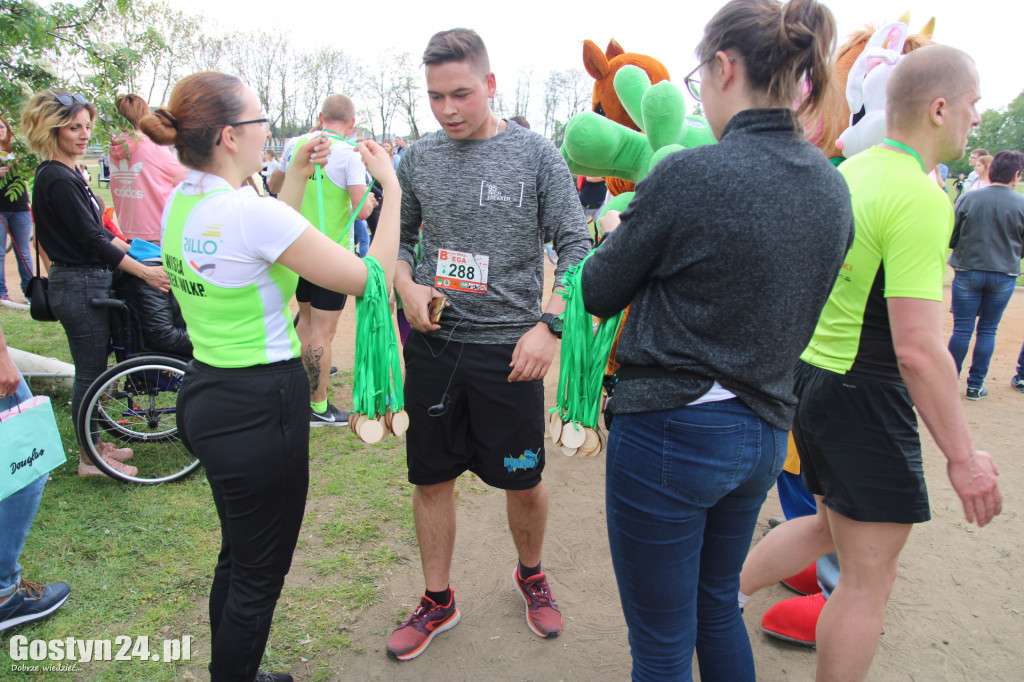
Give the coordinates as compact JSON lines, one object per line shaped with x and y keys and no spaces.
{"x":311,"y":358}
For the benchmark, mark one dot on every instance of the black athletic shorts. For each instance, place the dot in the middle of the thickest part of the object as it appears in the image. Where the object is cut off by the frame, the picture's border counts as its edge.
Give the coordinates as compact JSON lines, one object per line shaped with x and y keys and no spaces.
{"x":483,"y":422}
{"x":859,"y":447}
{"x":318,"y":297}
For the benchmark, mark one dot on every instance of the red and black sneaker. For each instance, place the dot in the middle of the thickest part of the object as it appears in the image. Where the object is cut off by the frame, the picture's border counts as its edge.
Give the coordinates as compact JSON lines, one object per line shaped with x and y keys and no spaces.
{"x":412,"y":637}
{"x":542,"y":613}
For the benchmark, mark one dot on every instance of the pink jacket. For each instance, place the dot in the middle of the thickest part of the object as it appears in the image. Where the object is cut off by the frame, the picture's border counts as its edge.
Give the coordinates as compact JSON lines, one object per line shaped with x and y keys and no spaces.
{"x":142,"y":176}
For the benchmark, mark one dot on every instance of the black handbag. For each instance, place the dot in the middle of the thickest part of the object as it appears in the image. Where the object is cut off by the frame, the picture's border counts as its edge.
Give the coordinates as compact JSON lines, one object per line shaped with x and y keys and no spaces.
{"x":38,"y":293}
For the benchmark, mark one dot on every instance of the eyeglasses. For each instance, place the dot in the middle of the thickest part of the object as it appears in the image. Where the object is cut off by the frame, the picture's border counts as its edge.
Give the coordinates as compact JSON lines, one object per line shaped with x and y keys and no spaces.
{"x":68,"y":100}
{"x":693,"y":82}
{"x":264,"y":121}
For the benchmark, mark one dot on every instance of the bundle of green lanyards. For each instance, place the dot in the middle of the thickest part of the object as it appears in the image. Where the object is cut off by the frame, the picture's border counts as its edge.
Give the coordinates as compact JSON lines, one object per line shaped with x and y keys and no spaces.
{"x":572,"y":424}
{"x":377,"y":396}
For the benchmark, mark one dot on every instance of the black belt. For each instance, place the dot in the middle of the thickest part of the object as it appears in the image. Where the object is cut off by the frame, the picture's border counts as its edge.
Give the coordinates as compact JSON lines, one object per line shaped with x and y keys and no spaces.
{"x":84,"y":266}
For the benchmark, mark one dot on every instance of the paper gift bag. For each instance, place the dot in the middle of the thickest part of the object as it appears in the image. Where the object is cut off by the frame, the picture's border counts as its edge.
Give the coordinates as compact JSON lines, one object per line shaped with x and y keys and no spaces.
{"x":30,"y":444}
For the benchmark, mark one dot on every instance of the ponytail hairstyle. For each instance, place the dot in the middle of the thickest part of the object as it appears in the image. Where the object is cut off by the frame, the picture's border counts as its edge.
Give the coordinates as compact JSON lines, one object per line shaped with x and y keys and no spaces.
{"x":785,"y":48}
{"x":201,"y":106}
{"x":132,"y":107}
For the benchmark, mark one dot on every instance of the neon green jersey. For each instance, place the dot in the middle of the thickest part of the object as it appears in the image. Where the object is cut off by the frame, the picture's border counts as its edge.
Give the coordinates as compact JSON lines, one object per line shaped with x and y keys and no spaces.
{"x":344,"y":168}
{"x":219,"y":248}
{"x":903,"y":222}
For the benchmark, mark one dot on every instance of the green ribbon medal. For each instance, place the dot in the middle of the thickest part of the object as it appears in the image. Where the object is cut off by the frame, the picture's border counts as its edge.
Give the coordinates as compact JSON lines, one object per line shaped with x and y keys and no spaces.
{"x":572,"y":424}
{"x":377,"y":395}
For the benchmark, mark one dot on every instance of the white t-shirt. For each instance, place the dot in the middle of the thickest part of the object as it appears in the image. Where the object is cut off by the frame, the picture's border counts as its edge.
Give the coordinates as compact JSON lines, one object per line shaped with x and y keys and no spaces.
{"x":239,"y":251}
{"x":344,"y":166}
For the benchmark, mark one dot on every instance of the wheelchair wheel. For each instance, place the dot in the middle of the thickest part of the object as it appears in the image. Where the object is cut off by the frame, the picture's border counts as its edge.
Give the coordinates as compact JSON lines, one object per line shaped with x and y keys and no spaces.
{"x":134,"y":404}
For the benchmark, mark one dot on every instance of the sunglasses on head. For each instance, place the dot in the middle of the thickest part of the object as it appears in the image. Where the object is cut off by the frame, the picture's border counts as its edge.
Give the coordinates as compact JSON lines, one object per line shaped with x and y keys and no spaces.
{"x":68,"y":100}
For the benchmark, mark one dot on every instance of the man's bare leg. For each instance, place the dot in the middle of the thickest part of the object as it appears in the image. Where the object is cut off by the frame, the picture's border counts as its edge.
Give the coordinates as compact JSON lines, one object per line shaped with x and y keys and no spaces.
{"x":788,"y":549}
{"x":851,"y":622}
{"x":316,"y":331}
{"x":527,"y":519}
{"x":433,"y":508}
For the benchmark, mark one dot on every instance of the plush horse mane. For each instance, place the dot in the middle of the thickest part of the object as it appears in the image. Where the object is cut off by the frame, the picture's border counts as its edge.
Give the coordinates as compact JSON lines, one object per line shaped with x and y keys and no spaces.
{"x":824,"y":125}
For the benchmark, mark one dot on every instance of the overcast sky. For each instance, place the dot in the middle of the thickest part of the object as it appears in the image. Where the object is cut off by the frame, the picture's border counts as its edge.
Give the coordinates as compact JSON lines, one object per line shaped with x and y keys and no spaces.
{"x":547,"y":35}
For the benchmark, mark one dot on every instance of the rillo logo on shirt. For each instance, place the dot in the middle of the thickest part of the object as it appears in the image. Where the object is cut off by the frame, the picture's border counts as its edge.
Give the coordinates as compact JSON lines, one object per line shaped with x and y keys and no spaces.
{"x":490,"y":192}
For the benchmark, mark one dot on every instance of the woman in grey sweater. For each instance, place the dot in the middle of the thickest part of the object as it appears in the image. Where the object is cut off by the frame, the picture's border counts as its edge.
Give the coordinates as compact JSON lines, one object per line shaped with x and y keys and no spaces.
{"x":727,"y":254}
{"x":986,"y":243}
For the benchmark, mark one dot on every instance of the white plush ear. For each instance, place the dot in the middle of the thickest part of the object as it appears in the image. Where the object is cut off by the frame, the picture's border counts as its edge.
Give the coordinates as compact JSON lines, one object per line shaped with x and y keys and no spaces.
{"x":884,"y":47}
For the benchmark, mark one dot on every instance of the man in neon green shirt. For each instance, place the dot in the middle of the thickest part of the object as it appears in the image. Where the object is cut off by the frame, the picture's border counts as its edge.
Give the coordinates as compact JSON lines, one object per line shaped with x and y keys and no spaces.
{"x":877,"y":353}
{"x":329,"y":204}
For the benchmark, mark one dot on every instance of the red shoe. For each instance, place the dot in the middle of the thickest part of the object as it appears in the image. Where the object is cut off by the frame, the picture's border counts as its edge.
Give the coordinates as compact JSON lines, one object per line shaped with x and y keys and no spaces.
{"x":805,"y":582}
{"x":795,"y":619}
{"x":542,"y":612}
{"x":412,"y":637}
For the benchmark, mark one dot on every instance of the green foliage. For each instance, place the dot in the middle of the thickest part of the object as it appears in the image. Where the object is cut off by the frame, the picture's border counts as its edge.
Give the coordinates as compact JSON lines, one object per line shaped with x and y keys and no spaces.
{"x":61,"y":46}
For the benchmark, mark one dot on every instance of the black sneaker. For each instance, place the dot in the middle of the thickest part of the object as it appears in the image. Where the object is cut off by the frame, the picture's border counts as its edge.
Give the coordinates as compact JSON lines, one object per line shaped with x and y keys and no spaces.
{"x":334,"y":370}
{"x":332,"y":416}
{"x":976,"y":392}
{"x":31,"y":601}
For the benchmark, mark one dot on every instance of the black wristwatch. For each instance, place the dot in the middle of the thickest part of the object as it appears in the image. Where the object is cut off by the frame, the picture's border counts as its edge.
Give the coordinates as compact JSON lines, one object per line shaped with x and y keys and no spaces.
{"x":554,"y":323}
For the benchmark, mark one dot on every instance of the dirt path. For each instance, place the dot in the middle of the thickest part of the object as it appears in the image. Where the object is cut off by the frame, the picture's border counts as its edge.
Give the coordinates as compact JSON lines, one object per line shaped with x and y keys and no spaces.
{"x":955,"y":614}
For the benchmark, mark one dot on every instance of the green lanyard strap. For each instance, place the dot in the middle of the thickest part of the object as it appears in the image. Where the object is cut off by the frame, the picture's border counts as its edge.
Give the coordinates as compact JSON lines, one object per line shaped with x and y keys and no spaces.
{"x":899,"y":145}
{"x":377,"y":377}
{"x":318,"y":179}
{"x":584,"y":354}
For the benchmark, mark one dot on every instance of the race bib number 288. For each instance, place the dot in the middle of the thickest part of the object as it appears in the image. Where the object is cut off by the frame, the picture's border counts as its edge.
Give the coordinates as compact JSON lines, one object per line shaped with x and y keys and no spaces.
{"x":460,"y":271}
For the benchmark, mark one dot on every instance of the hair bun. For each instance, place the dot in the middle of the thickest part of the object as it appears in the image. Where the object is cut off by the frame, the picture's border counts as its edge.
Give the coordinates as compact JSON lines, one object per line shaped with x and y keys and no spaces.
{"x":160,"y":126}
{"x":162,"y":113}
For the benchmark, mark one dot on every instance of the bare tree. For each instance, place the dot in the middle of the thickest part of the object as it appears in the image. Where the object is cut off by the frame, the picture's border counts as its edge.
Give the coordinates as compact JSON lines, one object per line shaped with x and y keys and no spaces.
{"x":567,"y":93}
{"x":382,"y":90}
{"x":407,"y":91}
{"x":523,"y":92}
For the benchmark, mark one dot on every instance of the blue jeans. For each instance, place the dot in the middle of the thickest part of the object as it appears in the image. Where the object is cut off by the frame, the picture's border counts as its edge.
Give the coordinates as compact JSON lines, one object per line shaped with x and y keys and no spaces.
{"x":1020,"y":362}
{"x":683,"y":491}
{"x":978,"y":295}
{"x":87,"y":327}
{"x":361,"y":237}
{"x":17,"y":512}
{"x":19,"y":226}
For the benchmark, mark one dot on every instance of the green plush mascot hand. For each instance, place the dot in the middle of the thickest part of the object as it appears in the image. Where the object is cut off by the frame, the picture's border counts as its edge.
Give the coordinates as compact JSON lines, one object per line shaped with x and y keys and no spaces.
{"x":597,"y":146}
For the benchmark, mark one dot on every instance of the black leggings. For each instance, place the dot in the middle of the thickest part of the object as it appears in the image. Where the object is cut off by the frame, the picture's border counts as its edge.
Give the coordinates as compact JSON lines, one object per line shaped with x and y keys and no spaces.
{"x":250,"y":429}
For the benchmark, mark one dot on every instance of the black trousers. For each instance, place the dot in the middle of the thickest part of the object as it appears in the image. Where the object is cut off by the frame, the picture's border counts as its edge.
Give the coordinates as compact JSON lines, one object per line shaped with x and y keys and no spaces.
{"x":250,"y":429}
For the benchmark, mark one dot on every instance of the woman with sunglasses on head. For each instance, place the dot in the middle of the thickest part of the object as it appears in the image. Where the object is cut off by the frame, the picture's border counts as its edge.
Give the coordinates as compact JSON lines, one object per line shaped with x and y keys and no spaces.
{"x":69,"y":227}
{"x":726,"y":279}
{"x":234,"y":259}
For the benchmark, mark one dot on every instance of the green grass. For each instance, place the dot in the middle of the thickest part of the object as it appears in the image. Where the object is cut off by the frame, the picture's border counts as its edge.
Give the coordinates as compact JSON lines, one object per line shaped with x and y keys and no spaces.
{"x":139,"y":559}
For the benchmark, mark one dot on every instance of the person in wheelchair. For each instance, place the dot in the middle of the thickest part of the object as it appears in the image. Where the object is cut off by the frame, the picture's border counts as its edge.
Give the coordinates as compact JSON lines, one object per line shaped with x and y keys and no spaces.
{"x":156,"y":320}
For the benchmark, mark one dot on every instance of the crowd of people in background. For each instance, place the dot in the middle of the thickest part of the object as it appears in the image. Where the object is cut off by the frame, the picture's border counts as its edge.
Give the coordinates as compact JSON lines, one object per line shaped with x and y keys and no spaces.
{"x":704,"y":369}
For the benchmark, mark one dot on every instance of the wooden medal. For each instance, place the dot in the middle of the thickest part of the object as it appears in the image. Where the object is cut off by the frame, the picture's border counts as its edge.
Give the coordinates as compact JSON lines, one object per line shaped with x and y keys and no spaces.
{"x":370,"y":430}
{"x":568,"y":452}
{"x":591,"y":443}
{"x":573,"y":435}
{"x":400,"y":423}
{"x":554,"y":427}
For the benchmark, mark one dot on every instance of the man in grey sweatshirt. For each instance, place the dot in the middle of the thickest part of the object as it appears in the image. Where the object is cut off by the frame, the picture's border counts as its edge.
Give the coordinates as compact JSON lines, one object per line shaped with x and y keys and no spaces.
{"x":488,"y":195}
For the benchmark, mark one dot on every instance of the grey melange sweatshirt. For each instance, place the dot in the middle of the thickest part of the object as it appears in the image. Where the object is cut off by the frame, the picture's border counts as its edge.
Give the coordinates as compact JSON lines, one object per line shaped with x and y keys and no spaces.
{"x":728,"y":254}
{"x":503,"y":198}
